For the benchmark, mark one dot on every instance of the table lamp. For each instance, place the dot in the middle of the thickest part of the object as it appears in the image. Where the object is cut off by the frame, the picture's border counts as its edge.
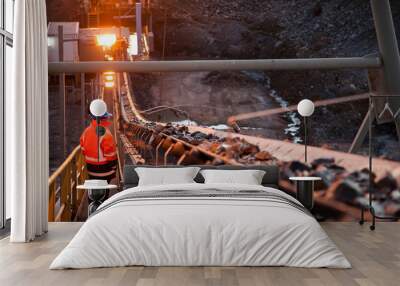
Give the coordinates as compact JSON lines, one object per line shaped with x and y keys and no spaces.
{"x":98,"y":108}
{"x":305,"y":109}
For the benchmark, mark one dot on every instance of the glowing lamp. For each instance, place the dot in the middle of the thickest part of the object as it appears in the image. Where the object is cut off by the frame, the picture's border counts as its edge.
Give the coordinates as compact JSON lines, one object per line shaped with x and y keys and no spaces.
{"x":98,"y":108}
{"x":305,"y":108}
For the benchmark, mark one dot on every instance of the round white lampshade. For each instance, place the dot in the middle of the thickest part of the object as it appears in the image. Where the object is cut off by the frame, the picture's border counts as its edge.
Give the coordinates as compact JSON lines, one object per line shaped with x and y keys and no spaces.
{"x":305,"y":107}
{"x":98,"y":107}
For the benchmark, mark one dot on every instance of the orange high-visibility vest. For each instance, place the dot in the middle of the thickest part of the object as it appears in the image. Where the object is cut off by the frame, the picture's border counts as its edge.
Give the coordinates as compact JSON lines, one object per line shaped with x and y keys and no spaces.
{"x":108,"y":151}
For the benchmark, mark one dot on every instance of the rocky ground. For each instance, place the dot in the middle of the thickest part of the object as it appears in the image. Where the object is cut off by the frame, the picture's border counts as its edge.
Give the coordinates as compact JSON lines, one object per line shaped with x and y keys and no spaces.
{"x":64,"y":10}
{"x":73,"y":125}
{"x":273,"y":29}
{"x":263,"y":29}
{"x":209,"y":99}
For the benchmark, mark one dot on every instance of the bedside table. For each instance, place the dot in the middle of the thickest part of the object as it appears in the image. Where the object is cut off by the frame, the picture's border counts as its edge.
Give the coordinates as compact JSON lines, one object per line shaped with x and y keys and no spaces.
{"x":97,"y":191}
{"x":305,"y":190}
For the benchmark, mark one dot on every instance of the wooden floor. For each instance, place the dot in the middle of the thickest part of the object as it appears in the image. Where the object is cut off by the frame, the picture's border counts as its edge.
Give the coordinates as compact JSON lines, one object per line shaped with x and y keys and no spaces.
{"x":375,"y":257}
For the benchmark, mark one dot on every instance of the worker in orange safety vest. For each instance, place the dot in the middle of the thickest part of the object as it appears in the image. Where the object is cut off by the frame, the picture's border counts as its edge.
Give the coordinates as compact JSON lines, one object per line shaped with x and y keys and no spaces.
{"x":99,"y":148}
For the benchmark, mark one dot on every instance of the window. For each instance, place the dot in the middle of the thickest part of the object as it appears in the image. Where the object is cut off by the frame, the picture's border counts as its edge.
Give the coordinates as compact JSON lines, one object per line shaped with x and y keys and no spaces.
{"x":6,"y":64}
{"x":9,"y":15}
{"x":8,"y":70}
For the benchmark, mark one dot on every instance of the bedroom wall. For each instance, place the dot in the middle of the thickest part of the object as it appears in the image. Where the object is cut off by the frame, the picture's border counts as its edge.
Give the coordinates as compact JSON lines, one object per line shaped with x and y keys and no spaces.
{"x":263,"y":29}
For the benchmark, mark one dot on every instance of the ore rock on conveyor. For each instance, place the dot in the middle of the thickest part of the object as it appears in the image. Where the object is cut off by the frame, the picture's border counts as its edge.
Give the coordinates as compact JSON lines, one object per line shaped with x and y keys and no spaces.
{"x":337,"y":183}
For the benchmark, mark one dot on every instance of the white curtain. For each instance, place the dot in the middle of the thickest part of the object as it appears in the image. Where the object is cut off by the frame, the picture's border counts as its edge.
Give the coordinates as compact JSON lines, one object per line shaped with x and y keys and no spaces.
{"x":27,"y":123}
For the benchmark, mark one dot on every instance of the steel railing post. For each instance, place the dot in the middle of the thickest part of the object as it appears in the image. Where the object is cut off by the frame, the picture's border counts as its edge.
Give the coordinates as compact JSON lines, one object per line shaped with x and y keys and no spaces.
{"x":390,"y":70}
{"x":83,"y":101}
{"x":139,"y":27}
{"x":62,"y":95}
{"x":388,"y":47}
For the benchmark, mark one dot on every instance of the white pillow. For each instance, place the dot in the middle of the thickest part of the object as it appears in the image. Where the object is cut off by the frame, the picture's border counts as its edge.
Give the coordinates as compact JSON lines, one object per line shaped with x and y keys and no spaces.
{"x":166,"y":176}
{"x":248,"y":177}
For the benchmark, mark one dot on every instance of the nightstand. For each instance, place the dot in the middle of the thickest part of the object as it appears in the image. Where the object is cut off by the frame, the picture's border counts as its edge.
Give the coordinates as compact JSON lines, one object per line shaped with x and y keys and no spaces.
{"x":97,"y":192}
{"x":305,"y":190}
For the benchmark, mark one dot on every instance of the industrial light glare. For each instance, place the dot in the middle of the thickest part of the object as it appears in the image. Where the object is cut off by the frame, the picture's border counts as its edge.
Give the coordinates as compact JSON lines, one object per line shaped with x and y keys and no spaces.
{"x":51,"y":41}
{"x":109,"y":77}
{"x":98,"y":107}
{"x":109,"y":84}
{"x":133,"y":49}
{"x":106,"y":40}
{"x":305,"y":108}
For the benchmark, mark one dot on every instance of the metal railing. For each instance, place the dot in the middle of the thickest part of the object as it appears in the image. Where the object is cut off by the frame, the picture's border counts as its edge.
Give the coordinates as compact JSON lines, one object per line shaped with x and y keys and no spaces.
{"x":64,"y":198}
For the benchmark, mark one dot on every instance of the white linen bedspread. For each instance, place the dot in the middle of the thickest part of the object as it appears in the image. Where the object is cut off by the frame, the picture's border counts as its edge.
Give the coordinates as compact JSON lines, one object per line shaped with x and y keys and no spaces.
{"x":203,"y":232}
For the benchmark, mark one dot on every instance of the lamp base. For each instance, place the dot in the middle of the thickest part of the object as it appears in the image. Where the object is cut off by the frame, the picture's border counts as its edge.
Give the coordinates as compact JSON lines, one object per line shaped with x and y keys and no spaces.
{"x":371,"y":209}
{"x":96,"y":198}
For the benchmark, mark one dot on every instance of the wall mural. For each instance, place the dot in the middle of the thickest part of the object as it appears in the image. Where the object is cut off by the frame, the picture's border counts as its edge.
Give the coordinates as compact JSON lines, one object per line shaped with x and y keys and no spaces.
{"x":241,"y":117}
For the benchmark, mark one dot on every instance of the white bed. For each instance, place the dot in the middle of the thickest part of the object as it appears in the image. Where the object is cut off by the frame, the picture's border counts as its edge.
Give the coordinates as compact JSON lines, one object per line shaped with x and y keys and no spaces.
{"x":201,"y":231}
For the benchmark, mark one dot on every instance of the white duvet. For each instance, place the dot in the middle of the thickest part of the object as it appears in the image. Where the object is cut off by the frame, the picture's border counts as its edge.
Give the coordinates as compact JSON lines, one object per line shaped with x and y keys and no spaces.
{"x":200,"y":231}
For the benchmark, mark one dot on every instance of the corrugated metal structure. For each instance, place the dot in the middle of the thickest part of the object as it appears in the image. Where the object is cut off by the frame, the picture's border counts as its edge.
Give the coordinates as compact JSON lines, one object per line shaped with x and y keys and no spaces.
{"x":71,"y":38}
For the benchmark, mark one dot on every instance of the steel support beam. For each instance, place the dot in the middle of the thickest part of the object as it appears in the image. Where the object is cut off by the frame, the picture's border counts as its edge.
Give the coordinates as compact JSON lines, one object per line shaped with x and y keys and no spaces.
{"x":388,"y":47}
{"x":216,"y":65}
{"x":361,"y":133}
{"x":83,"y":101}
{"x":139,"y":27}
{"x":390,"y":57}
{"x":62,"y":94}
{"x":389,"y":52}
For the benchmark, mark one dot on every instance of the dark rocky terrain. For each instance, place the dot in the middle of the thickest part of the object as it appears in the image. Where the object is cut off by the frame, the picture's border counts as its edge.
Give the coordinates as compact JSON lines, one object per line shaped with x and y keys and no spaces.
{"x":266,"y":29}
{"x":64,"y":10}
{"x":281,"y":29}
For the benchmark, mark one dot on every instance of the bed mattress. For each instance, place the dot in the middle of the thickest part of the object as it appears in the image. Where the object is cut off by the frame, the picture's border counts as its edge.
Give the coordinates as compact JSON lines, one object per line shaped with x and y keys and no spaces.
{"x":201,"y":225}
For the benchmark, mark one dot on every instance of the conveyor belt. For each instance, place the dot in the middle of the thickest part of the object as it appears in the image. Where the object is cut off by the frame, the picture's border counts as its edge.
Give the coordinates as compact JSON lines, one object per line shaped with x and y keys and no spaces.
{"x":142,"y":133}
